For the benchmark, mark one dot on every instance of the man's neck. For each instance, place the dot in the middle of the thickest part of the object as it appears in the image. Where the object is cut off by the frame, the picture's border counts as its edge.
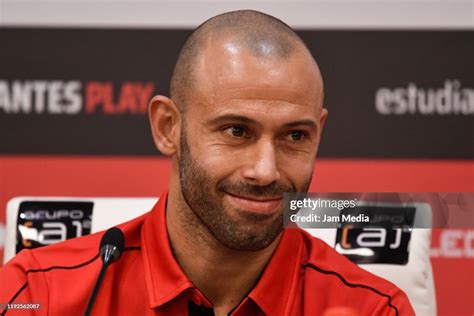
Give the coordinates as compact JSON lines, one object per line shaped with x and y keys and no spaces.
{"x":223,"y":275}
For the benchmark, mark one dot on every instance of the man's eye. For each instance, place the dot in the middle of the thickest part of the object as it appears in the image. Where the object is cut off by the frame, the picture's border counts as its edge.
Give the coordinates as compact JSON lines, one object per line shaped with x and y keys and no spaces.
{"x":296,"y":136}
{"x":236,"y":131}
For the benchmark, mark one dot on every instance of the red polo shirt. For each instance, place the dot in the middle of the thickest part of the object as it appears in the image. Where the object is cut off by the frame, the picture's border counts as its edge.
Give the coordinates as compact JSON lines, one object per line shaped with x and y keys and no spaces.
{"x":303,"y":277}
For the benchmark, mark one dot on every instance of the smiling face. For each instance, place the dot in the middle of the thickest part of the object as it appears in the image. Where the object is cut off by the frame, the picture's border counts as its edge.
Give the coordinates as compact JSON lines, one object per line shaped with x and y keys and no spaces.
{"x":250,"y":132}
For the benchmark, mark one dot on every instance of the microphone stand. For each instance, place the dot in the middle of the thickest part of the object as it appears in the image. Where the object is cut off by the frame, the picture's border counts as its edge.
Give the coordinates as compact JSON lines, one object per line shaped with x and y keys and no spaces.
{"x":96,"y":289}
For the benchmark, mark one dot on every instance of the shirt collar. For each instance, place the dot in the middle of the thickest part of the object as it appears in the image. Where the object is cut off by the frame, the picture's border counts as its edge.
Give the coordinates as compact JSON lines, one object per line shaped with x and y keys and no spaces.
{"x":166,"y":280}
{"x":277,"y":287}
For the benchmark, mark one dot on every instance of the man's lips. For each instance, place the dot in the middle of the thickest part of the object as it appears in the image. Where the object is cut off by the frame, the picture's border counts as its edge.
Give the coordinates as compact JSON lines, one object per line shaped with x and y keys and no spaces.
{"x":256,"y":204}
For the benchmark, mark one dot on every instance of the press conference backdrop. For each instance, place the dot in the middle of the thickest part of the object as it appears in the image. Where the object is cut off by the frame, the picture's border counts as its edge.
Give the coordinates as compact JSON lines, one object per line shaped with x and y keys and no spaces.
{"x":75,"y":82}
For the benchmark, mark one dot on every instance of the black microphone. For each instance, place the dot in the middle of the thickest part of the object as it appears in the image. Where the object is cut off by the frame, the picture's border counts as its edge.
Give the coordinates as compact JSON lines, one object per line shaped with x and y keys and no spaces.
{"x":110,"y":249}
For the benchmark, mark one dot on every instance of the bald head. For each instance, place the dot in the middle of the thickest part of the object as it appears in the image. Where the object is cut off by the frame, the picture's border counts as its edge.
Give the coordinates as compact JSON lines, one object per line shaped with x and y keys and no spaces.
{"x":259,"y":34}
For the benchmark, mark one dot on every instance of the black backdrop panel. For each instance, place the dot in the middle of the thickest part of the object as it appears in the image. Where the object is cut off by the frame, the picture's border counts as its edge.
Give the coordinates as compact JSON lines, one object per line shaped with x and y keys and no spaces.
{"x":390,"y":94}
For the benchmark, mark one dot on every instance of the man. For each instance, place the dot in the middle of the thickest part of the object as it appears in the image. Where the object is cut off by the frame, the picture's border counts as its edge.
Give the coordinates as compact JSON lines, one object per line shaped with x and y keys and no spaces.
{"x":242,"y":126}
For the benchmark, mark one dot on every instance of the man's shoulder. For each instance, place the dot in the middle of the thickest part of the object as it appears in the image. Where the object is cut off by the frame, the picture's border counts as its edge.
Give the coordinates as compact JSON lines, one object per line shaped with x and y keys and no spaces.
{"x":346,"y":283}
{"x":326,"y":261}
{"x":40,"y":274}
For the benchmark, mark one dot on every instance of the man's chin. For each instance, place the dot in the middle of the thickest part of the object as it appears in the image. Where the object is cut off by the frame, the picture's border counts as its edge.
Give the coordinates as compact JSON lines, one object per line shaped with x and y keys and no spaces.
{"x":252,"y":232}
{"x":249,"y":244}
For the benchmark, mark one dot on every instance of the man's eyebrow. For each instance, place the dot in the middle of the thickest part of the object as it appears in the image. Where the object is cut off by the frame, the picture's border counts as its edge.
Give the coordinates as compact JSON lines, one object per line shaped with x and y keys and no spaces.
{"x":233,"y":118}
{"x":246,"y":120}
{"x":305,"y":122}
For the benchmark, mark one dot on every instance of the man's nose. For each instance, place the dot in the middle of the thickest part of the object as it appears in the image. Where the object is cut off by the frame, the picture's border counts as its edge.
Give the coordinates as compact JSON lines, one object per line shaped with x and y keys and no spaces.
{"x":262,"y":167}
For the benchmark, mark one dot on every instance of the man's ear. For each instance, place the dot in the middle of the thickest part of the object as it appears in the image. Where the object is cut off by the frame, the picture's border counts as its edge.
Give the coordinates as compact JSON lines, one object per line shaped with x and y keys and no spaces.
{"x":165,"y":121}
{"x":322,"y":119}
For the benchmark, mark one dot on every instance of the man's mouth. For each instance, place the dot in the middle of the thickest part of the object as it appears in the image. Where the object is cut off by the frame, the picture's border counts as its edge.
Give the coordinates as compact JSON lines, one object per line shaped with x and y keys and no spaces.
{"x":262,"y":205}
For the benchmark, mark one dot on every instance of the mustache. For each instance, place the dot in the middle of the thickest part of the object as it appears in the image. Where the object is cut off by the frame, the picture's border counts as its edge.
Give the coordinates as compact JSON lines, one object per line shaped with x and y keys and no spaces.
{"x":245,"y":189}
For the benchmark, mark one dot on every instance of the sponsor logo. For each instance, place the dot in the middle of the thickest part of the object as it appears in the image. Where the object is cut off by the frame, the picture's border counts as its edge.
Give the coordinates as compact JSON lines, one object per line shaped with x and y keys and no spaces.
{"x":74,"y":97}
{"x":384,"y":240}
{"x":45,"y":222}
{"x":452,"y":99}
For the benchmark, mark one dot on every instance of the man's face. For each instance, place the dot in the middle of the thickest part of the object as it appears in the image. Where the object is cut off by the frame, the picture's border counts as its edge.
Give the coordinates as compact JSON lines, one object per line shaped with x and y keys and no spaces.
{"x":250,"y":133}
